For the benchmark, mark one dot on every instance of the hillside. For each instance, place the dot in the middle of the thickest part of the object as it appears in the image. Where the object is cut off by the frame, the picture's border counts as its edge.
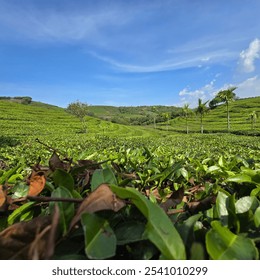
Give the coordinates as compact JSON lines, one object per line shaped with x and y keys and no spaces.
{"x":130,"y":115}
{"x":38,"y":119}
{"x":215,"y":120}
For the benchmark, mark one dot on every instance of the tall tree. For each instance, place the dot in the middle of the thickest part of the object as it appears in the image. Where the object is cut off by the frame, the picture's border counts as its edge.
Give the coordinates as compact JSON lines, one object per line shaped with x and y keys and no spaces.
{"x":201,"y":110}
{"x":253,"y":117}
{"x":227,"y":96}
{"x":186,"y":112}
{"x":80,"y":110}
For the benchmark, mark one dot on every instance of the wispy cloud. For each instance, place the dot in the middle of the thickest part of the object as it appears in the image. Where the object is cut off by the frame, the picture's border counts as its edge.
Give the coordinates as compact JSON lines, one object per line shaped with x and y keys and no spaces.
{"x":68,"y":23}
{"x":248,"y":56}
{"x":178,"y":62}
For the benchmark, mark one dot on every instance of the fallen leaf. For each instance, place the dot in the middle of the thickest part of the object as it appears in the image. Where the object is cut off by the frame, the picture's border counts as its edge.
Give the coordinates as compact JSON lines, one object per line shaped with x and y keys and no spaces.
{"x":100,"y":199}
{"x":2,"y":199}
{"x":175,"y":199}
{"x":37,"y":183}
{"x":202,"y":205}
{"x":55,"y":162}
{"x":16,"y":240}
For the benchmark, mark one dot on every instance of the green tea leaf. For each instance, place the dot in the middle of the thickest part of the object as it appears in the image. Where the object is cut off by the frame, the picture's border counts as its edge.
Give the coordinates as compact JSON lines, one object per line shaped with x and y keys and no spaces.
{"x":129,"y":231}
{"x":240,"y":178}
{"x":197,"y":251}
{"x":66,"y":209}
{"x":159,"y":228}
{"x":17,"y":213}
{"x":246,"y":203}
{"x":20,"y":190}
{"x":102,"y":176}
{"x":222,"y":244}
{"x":257,"y":217}
{"x":186,"y":229}
{"x":63,"y":179}
{"x":100,"y":240}
{"x":8,"y":174}
{"x":222,"y":207}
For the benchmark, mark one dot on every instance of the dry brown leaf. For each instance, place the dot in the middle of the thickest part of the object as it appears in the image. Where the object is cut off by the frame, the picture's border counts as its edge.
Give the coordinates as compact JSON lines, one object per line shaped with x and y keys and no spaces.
{"x":100,"y":199}
{"x":202,"y":205}
{"x":37,"y":183}
{"x":2,"y":196}
{"x":16,"y":240}
{"x":175,"y":199}
{"x":55,"y":162}
{"x":153,"y":192}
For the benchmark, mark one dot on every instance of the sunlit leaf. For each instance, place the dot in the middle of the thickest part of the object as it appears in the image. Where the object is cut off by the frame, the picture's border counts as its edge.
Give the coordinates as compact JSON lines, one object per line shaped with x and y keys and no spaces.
{"x":257,"y":217}
{"x":246,"y":203}
{"x":222,"y":244}
{"x":20,"y":190}
{"x":102,"y":176}
{"x":19,"y":212}
{"x":221,"y":206}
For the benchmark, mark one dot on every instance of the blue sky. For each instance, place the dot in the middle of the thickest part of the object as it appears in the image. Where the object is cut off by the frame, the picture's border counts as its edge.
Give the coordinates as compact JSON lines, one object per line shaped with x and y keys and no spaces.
{"x":128,"y":52}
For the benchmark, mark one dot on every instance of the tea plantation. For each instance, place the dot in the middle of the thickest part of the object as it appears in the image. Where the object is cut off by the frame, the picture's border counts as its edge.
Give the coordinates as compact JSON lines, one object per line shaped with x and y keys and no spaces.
{"x":124,"y":192}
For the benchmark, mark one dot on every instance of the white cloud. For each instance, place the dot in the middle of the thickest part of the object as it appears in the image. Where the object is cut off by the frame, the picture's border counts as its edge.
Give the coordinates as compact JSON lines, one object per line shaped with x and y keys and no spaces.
{"x":249,"y":87}
{"x":191,"y":96}
{"x":178,"y":62}
{"x":248,"y":56}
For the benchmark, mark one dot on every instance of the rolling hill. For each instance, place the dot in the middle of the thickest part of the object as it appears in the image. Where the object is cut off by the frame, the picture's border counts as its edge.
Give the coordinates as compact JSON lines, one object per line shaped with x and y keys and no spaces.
{"x":38,"y":119}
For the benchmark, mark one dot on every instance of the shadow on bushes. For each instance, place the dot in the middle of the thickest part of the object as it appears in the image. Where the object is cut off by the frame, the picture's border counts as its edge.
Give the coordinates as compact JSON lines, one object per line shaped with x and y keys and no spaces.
{"x":8,"y":141}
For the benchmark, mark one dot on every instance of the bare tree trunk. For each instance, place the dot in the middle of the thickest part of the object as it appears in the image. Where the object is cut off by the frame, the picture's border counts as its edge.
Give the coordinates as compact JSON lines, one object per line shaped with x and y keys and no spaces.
{"x":228,"y":121}
{"x":201,"y":125}
{"x":187,"y":129}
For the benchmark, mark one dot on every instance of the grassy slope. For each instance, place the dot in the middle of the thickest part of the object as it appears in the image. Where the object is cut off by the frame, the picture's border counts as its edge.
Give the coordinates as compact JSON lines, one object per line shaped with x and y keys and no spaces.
{"x":38,"y":119}
{"x":216,"y":119}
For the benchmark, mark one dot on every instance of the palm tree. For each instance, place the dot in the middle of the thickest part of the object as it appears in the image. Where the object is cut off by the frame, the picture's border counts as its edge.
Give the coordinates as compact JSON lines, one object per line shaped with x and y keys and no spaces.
{"x":253,"y":116}
{"x":227,"y":96}
{"x":201,"y":110}
{"x":186,"y":112}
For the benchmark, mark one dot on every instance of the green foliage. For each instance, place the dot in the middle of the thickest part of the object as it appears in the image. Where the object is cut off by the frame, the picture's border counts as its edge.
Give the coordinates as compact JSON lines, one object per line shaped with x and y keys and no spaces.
{"x":63,"y":179}
{"x":100,"y":240}
{"x":159,"y":229}
{"x":183,"y":194}
{"x":222,"y":244}
{"x":66,"y":209}
{"x":101,"y":176}
{"x":80,"y":110}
